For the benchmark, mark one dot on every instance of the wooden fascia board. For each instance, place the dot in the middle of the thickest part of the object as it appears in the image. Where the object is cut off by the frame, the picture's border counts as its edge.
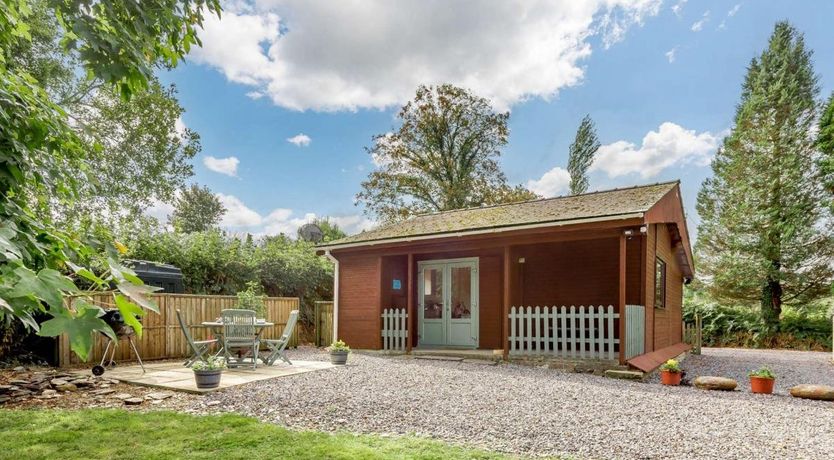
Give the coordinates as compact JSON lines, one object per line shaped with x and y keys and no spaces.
{"x":545,"y":234}
{"x":669,"y":210}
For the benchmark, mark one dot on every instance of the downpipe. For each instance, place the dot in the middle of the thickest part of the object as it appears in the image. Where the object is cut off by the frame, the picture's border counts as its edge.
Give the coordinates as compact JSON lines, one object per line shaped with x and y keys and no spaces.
{"x":335,"y":294}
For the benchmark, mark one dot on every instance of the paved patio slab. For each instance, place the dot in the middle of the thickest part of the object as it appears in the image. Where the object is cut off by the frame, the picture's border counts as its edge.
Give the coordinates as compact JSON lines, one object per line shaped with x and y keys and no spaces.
{"x":173,"y":376}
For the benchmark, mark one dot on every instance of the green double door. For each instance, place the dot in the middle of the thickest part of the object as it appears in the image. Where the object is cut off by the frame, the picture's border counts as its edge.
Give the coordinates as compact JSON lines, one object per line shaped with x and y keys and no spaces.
{"x":448,"y":303}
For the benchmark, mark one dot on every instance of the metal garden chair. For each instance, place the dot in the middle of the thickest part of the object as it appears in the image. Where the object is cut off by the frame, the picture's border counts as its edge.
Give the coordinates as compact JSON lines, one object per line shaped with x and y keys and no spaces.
{"x":239,"y":332}
{"x":277,"y":347}
{"x":199,"y":348}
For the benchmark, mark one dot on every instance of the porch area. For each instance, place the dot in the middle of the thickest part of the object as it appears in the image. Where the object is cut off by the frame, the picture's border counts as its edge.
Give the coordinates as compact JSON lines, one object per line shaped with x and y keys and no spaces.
{"x":567,"y":295}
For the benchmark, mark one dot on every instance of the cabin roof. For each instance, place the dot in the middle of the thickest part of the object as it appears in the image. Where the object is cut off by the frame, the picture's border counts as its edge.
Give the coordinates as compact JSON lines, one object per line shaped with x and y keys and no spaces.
{"x":563,"y":210}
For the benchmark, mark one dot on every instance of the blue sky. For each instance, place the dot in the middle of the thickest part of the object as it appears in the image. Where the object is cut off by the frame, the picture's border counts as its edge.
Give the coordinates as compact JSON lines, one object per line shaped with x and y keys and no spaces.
{"x":660,"y":79}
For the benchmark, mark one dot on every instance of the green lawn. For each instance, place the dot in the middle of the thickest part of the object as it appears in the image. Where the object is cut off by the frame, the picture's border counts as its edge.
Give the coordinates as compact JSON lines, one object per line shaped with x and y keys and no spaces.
{"x":114,"y":434}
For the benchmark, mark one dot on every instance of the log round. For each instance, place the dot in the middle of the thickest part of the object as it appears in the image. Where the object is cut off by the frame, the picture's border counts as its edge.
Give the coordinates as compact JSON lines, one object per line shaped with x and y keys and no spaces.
{"x":715,"y":383}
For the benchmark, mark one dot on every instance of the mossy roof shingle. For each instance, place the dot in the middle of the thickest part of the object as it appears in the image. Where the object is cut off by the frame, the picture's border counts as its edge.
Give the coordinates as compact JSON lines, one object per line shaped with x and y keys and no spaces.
{"x":556,"y":210}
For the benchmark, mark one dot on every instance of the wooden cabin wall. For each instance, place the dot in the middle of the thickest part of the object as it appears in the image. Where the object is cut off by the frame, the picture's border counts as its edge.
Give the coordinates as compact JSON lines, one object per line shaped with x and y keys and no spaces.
{"x":359,"y":299}
{"x":394,"y":268}
{"x":584,"y":272}
{"x":667,"y":321}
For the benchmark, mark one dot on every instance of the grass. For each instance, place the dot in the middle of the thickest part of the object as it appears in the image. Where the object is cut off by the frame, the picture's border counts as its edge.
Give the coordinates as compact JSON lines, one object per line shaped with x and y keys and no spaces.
{"x":113,"y":434}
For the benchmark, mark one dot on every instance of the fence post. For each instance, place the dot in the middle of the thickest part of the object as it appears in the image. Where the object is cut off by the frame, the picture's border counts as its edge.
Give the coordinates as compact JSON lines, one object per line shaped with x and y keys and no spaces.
{"x":698,"y":327}
{"x":317,"y":322}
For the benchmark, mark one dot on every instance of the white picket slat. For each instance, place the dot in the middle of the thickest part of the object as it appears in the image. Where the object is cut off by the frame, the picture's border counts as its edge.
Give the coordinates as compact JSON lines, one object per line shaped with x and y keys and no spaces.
{"x":394,"y":329}
{"x":586,"y":332}
{"x":591,"y":330}
{"x":582,"y":332}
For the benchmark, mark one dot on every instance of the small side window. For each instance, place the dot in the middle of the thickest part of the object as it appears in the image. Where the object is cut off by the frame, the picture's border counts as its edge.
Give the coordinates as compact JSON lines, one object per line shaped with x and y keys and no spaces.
{"x":659,"y":283}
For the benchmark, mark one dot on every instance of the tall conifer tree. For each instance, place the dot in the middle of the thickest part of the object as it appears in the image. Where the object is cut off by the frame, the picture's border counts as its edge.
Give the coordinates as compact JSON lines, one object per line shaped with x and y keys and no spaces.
{"x":766,"y":236}
{"x":825,"y":142}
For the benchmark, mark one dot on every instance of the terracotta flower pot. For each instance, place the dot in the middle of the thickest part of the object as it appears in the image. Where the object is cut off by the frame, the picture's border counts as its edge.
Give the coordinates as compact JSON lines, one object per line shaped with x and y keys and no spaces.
{"x":670,"y":378}
{"x":762,"y":385}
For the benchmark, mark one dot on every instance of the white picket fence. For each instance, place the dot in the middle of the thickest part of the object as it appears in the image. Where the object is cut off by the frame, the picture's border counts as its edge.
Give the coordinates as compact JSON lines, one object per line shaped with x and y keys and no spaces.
{"x":635,"y":343}
{"x":567,"y":332}
{"x":394,"y":329}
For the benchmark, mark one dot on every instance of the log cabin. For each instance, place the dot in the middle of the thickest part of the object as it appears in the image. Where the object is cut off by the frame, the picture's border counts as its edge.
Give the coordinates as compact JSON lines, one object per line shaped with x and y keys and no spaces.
{"x":592,"y":276}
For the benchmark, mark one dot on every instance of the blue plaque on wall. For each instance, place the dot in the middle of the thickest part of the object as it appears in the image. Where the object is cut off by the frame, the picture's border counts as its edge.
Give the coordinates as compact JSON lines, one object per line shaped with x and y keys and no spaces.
{"x":398,"y":284}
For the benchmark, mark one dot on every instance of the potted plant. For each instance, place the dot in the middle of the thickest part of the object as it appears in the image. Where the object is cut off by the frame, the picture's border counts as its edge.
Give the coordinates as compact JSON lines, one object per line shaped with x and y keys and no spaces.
{"x":207,"y":373}
{"x":670,"y":373}
{"x":762,"y":380}
{"x":339,"y":352}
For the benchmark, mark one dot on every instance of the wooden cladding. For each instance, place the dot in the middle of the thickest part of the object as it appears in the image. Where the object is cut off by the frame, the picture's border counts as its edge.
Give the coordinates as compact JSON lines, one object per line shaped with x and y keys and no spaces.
{"x":162,"y":337}
{"x":359,"y":301}
{"x":558,"y":268}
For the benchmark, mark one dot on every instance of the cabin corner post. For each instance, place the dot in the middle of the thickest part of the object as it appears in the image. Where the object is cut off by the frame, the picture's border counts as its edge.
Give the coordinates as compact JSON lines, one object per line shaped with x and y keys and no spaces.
{"x":380,"y":267}
{"x":506,"y":303}
{"x":411,"y":293}
{"x":621,"y":301}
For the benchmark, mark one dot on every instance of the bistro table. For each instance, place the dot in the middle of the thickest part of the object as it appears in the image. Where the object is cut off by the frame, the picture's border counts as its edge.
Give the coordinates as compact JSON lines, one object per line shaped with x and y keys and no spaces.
{"x":217,"y":329}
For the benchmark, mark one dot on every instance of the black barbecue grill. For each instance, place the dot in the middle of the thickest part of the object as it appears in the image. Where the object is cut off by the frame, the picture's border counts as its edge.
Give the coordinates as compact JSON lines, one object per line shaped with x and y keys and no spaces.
{"x":116,"y":321}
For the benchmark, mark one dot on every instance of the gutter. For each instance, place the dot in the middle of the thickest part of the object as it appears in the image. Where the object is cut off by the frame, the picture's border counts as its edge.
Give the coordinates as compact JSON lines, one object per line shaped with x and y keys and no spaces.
{"x":335,"y":295}
{"x":434,"y":236}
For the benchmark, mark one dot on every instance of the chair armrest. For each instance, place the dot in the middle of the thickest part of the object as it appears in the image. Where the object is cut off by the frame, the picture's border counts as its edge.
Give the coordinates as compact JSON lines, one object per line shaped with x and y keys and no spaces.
{"x":203,"y":342}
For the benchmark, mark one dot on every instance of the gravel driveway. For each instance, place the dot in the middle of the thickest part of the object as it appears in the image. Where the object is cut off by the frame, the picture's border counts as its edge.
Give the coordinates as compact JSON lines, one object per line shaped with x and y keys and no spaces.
{"x":536,"y":411}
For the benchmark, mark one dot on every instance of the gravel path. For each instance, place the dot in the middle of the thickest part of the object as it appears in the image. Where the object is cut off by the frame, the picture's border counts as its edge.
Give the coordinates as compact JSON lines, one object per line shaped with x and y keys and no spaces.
{"x":791,"y":367}
{"x":536,"y":411}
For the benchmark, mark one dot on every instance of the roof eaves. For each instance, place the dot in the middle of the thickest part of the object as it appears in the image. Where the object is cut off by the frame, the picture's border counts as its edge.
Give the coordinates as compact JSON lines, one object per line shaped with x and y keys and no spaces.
{"x":483,"y":230}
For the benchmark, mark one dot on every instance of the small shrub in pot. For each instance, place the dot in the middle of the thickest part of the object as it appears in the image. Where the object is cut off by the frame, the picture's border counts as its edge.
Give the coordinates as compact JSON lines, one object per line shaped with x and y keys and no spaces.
{"x":207,"y":373}
{"x":762,"y":381}
{"x":670,"y":372}
{"x":339,"y":352}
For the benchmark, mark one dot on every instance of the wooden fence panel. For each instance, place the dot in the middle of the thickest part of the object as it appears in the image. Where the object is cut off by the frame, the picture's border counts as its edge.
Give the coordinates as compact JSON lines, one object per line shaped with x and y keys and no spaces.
{"x":323,"y":323}
{"x":692,"y":335}
{"x":564,"y":332}
{"x":161,"y":334}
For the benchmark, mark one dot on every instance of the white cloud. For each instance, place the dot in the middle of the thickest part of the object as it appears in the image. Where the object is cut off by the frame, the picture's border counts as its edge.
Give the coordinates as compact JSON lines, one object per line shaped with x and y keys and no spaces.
{"x":668,"y":146}
{"x":241,"y":218}
{"x":238,"y":214}
{"x":698,"y":25}
{"x":255,"y":95}
{"x":552,"y":183}
{"x":677,"y":8}
{"x":671,"y":54}
{"x":323,"y":55}
{"x":732,"y":12}
{"x":227,"y":166}
{"x":160,"y":210}
{"x":180,"y":128}
{"x":300,"y":140}
{"x":353,"y":223}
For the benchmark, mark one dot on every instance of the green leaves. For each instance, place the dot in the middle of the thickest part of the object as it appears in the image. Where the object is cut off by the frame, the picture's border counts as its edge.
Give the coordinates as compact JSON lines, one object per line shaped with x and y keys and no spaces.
{"x":444,"y":156}
{"x":47,"y":285}
{"x":766,"y":237}
{"x":130,"y":311}
{"x":79,"y":326}
{"x":581,"y":155}
{"x":140,"y":294}
{"x":197,"y":209}
{"x":44,"y":163}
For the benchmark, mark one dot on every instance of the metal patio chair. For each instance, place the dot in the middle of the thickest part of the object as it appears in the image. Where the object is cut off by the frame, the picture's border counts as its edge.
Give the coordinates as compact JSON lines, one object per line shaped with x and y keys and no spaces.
{"x":277,"y":347}
{"x":239,"y":332}
{"x":199,"y":348}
